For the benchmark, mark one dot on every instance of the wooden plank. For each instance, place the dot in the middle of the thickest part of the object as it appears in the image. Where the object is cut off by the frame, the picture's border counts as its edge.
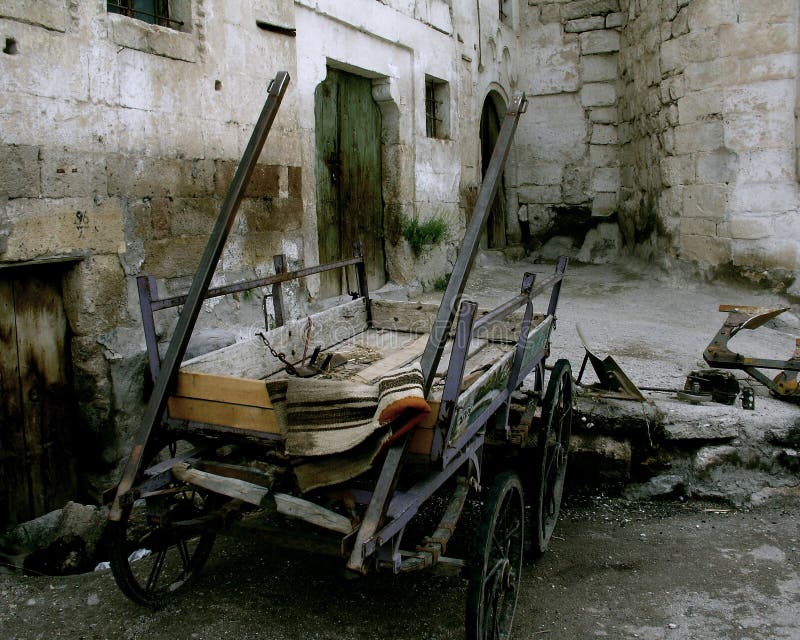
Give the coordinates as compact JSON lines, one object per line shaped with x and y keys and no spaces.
{"x":48,"y":409}
{"x":15,"y":502}
{"x":223,"y":413}
{"x":313,"y":513}
{"x":230,"y":389}
{"x":252,"y":359}
{"x":481,"y":393}
{"x":418,"y":317}
{"x":392,"y":361}
{"x":231,"y":487}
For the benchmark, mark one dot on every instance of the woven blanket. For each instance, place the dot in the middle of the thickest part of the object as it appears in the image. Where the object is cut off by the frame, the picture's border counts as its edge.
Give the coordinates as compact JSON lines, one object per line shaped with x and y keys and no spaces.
{"x":341,"y":425}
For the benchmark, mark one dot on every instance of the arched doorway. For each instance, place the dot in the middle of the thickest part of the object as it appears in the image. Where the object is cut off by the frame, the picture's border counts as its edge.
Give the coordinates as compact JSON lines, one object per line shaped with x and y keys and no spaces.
{"x":491,"y":120}
{"x":349,"y":177}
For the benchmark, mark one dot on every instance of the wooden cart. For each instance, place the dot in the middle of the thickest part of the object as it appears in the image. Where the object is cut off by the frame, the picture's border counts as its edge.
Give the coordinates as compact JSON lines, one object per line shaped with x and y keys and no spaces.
{"x":233,"y":441}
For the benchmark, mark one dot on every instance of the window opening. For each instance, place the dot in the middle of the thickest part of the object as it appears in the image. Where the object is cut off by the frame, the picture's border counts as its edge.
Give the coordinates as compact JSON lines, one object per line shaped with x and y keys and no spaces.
{"x":149,"y":11}
{"x":437,"y":108}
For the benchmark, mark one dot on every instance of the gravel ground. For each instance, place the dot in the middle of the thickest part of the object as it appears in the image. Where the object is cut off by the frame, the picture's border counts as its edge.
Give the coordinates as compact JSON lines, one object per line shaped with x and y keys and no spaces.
{"x":615,"y":569}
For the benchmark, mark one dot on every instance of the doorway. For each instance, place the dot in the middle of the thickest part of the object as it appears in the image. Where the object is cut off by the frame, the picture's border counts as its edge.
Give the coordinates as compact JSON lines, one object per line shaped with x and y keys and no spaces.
{"x":491,"y":121}
{"x":37,"y":471}
{"x":349,"y":193}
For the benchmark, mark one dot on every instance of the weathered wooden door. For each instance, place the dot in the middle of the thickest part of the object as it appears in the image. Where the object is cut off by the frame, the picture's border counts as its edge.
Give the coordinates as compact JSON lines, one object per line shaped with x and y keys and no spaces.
{"x":37,"y":472}
{"x":490,"y":129}
{"x":349,"y":195}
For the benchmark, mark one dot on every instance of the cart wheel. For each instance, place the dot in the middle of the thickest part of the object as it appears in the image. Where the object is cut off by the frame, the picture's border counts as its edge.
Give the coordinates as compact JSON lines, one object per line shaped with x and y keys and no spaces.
{"x":496,"y":566}
{"x":160,"y":544}
{"x":551,"y":455}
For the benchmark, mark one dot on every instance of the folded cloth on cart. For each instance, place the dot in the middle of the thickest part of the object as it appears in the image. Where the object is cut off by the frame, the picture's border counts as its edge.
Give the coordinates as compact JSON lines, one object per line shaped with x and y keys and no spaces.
{"x":325,"y":417}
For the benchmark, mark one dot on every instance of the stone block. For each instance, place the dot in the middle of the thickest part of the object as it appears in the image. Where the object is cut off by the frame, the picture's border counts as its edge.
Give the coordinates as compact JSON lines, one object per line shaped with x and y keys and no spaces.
{"x":20,"y":176}
{"x":606,"y":179}
{"x":549,"y":194}
{"x":540,"y":173}
{"x":765,"y":197}
{"x":599,"y":68}
{"x":550,"y":64}
{"x":680,"y":25}
{"x":603,"y":155}
{"x":771,"y":12}
{"x":585,"y":24}
{"x":705,"y":201}
{"x":143,"y":177}
{"x":601,"y":244}
{"x":745,"y":132}
{"x":540,"y":218}
{"x":698,"y":227}
{"x":615,"y":20}
{"x":677,"y":170}
{"x":700,"y":136}
{"x":741,"y":40}
{"x":583,"y":8}
{"x":264,"y":183}
{"x":700,"y":105}
{"x":698,"y":76}
{"x":709,"y":14}
{"x":280,"y":12}
{"x":706,"y":251}
{"x":139,"y":36}
{"x":672,"y":55}
{"x":603,"y":115}
{"x":761,"y":97}
{"x":576,"y":184}
{"x":41,"y":227}
{"x":50,"y":14}
{"x":68,"y":174}
{"x":604,"y":134}
{"x":750,"y":228}
{"x":598,"y":94}
{"x":551,"y":13}
{"x":669,"y":9}
{"x":717,"y":166}
{"x":604,"y":204}
{"x":766,"y":165}
{"x":594,"y":42}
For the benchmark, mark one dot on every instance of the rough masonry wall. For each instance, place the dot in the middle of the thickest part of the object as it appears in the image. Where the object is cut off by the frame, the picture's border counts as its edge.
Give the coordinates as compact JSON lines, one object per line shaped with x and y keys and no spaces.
{"x":118,"y":143}
{"x":567,"y":156}
{"x":707,"y":134}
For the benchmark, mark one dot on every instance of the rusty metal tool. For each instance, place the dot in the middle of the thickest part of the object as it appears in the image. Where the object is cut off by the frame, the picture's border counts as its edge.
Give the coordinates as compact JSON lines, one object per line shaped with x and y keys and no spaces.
{"x":717,"y":354}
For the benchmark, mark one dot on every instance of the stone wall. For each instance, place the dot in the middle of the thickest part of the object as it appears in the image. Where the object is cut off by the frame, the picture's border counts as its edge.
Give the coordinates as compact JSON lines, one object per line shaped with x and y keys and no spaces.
{"x":567,"y":161}
{"x":707,"y":134}
{"x":119,"y":140}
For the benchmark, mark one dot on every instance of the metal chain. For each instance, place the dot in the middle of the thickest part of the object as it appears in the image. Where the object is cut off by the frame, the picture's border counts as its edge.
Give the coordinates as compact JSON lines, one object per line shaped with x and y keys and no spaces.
{"x":279,"y":355}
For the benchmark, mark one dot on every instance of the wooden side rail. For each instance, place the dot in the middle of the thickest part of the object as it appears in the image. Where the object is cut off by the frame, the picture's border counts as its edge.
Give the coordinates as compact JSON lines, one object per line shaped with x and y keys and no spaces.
{"x":149,"y":302}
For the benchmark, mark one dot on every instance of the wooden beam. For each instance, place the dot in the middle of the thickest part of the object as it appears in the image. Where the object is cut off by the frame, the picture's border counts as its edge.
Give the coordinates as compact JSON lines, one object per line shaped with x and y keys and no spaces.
{"x":233,"y":415}
{"x":231,"y":487}
{"x":222,"y":388}
{"x":313,"y":513}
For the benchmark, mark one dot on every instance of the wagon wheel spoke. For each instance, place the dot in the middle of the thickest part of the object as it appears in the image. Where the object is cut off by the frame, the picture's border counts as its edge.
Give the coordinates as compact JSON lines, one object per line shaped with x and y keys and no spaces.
{"x":175,"y":527}
{"x":158,"y":565}
{"x":495,"y":568}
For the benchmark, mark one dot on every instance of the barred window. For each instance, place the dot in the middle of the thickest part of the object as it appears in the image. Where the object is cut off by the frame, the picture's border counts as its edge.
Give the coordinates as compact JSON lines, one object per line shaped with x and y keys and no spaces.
{"x":149,"y":11}
{"x":437,"y":108}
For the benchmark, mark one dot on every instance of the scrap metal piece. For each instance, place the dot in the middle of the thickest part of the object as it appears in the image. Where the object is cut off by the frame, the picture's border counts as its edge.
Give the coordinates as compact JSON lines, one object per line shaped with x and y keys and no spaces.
{"x":612,"y":377}
{"x":717,"y":354}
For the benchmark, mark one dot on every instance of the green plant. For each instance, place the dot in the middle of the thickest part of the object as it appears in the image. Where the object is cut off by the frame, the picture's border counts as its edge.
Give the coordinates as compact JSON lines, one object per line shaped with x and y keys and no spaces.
{"x":440,"y":283}
{"x":422,"y":234}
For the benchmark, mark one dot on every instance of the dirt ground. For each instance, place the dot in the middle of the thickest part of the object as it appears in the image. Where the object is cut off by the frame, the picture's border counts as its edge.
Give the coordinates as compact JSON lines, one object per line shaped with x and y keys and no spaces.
{"x":616,"y":569}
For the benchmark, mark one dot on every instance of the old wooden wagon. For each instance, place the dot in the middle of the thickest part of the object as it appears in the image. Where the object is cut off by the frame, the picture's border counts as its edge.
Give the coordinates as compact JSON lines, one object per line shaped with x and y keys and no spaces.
{"x":342,"y":451}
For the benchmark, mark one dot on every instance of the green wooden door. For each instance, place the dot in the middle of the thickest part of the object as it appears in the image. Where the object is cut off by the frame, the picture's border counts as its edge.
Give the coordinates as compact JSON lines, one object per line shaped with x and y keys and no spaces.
{"x":490,"y":130}
{"x":349,"y":196}
{"x":37,"y":471}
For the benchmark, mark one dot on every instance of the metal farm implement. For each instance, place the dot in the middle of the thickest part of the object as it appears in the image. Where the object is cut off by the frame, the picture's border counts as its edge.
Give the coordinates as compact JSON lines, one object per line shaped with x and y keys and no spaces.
{"x":213,"y":454}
